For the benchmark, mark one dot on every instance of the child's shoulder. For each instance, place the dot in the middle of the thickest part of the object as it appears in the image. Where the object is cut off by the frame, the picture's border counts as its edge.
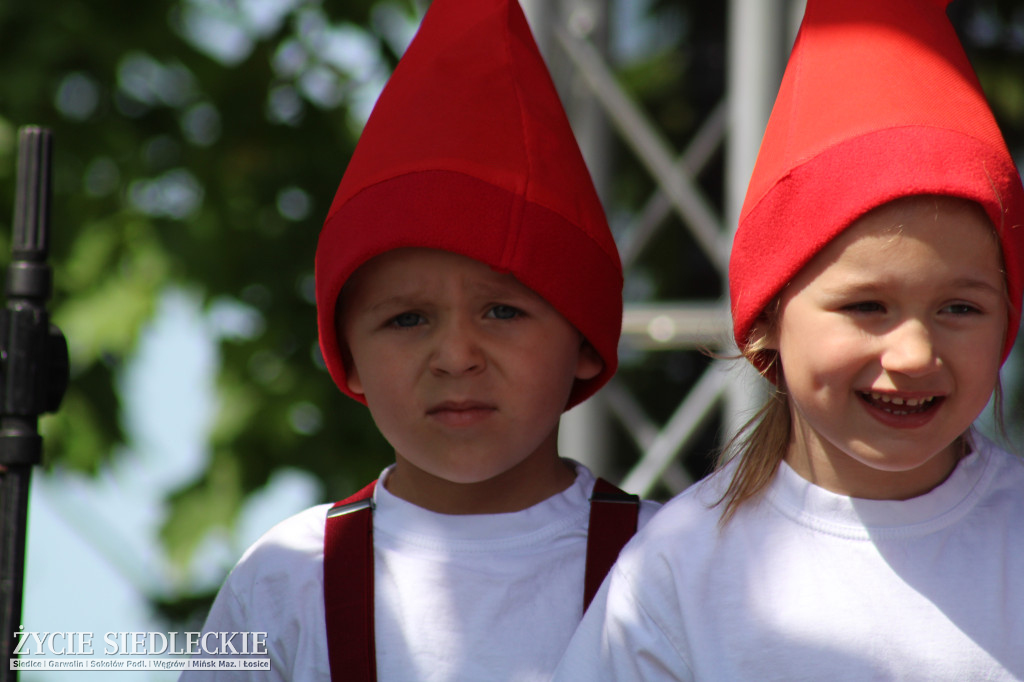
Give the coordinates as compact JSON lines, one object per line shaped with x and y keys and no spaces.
{"x":695,"y":509}
{"x":1004,"y":469}
{"x":685,"y":528}
{"x":585,"y":482}
{"x":290,"y":549}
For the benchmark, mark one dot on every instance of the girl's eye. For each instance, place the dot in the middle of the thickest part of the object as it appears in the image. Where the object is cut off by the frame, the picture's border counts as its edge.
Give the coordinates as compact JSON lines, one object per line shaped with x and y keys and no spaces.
{"x":405,"y":320}
{"x":504,"y":312}
{"x":865,"y":307}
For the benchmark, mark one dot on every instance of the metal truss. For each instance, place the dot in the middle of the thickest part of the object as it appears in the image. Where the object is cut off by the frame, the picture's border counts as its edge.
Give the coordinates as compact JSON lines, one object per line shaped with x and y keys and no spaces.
{"x":572,"y":33}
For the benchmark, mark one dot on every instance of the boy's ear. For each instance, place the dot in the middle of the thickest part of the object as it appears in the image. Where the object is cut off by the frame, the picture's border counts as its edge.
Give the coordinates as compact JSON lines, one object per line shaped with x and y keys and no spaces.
{"x":352,"y":380}
{"x":589,"y":364}
{"x":352,"y":377}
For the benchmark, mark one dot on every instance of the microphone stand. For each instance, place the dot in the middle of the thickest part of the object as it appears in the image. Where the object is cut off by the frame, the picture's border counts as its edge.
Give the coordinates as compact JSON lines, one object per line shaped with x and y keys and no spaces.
{"x":33,"y":372}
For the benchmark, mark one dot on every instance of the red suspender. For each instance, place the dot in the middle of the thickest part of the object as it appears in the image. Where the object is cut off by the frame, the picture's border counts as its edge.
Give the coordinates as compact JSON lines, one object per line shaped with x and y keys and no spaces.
{"x":348,"y":571}
{"x":613,"y":521}
{"x":348,"y":588}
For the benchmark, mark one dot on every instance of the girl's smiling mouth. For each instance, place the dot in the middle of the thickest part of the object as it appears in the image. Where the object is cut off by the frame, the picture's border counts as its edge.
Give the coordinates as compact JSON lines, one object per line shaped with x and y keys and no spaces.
{"x":901,"y":406}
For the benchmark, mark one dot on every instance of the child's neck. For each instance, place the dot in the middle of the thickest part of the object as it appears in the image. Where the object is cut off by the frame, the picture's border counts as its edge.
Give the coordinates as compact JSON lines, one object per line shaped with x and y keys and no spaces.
{"x":843,"y":474}
{"x":527,"y":484}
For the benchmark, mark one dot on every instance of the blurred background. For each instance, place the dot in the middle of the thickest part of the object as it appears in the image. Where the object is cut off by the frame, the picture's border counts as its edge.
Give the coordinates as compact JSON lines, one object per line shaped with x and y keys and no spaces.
{"x":198,"y":145}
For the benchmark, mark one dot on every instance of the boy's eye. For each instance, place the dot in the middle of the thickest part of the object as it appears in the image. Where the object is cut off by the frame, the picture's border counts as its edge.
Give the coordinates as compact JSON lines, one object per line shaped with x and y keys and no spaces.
{"x":865,"y":307}
{"x":406,"y":320}
{"x":503,"y":312}
{"x":961,"y":309}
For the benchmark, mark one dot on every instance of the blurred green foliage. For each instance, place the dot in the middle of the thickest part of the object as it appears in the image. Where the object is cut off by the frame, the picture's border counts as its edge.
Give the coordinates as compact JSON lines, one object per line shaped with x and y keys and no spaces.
{"x":198,"y":145}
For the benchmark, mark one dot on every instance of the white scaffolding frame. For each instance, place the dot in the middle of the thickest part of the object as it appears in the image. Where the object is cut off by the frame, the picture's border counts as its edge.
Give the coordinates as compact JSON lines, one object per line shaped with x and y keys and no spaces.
{"x":572,"y":34}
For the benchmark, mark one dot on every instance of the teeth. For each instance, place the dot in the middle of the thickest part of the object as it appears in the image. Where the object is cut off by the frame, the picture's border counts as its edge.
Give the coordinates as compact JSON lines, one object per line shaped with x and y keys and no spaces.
{"x":909,"y":402}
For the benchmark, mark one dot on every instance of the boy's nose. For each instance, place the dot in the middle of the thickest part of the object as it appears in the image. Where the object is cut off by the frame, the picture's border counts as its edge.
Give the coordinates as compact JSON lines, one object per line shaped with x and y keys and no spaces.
{"x":910,"y":350}
{"x":457,"y":350}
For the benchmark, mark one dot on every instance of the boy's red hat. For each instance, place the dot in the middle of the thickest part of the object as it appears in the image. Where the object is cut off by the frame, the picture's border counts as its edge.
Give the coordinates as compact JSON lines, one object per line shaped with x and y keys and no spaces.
{"x":468,"y":150}
{"x":878,"y":102}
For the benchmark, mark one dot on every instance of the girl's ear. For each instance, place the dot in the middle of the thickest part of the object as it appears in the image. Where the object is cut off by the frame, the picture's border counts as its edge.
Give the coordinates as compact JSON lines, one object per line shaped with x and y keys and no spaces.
{"x":764,"y":331}
{"x":589,"y":364}
{"x":764,"y":335}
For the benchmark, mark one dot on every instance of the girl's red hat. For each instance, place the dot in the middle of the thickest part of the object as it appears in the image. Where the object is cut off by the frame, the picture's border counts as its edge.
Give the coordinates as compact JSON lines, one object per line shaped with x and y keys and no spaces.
{"x":468,"y":150}
{"x":878,"y":102}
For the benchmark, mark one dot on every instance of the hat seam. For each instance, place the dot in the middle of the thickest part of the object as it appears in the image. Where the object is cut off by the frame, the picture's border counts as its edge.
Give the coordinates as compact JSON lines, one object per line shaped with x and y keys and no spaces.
{"x":520,"y":197}
{"x":518,"y":205}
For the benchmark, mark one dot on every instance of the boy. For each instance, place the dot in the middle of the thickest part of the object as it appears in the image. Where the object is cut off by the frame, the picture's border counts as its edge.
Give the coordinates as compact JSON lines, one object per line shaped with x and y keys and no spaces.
{"x":468,"y":292}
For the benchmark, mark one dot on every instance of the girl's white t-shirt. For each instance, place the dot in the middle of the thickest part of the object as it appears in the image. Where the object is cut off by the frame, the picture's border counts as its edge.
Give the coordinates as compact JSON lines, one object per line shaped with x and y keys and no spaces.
{"x":809,"y":585}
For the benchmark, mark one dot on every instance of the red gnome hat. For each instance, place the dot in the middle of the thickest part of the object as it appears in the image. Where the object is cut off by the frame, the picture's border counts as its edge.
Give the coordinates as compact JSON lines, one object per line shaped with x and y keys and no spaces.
{"x":468,"y":150}
{"x":878,"y":102}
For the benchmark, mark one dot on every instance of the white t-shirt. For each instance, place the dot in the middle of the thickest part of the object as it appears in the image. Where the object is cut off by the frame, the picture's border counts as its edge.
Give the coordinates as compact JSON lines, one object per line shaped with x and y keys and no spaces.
{"x":809,"y":585}
{"x":472,"y":597}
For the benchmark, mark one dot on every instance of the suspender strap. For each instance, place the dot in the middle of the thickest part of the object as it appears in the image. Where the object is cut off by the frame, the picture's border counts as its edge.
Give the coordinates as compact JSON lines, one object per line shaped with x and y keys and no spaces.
{"x":613,"y":521}
{"x":348,"y":588}
{"x":348,"y":571}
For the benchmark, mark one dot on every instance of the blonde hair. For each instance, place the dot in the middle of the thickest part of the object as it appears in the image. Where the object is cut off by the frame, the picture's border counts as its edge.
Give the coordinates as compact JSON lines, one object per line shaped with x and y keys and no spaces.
{"x":762,"y":442}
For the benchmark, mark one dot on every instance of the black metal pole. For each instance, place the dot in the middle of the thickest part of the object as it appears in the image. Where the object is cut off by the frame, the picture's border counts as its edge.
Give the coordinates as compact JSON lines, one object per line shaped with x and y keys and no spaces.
{"x":33,"y":371}
{"x":14,"y":485}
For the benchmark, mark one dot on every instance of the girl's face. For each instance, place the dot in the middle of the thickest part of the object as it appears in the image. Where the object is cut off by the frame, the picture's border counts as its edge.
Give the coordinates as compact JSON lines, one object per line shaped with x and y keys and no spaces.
{"x":890,"y":341}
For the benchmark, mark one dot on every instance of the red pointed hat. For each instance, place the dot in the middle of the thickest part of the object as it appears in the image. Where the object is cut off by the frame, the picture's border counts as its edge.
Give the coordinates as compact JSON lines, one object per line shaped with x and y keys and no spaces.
{"x":468,"y":150}
{"x":878,"y":102}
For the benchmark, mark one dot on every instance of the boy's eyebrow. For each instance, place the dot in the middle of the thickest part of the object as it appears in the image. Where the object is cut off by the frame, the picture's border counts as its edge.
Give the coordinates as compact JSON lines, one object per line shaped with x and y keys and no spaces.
{"x":974,"y":283}
{"x":396,"y":301}
{"x":487,"y":289}
{"x":505,"y":290}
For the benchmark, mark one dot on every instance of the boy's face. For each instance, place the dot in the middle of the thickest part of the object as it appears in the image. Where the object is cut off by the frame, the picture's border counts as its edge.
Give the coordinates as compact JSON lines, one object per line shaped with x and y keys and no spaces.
{"x":466,"y":371}
{"x":890,"y":342}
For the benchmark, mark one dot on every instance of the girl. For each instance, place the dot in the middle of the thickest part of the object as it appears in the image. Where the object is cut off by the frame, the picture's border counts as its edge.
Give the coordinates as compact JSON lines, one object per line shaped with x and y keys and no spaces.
{"x":862,"y":530}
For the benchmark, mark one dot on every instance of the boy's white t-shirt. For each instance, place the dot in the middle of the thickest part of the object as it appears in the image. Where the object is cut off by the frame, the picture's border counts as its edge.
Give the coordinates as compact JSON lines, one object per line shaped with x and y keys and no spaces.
{"x":473,"y":597}
{"x":810,"y":585}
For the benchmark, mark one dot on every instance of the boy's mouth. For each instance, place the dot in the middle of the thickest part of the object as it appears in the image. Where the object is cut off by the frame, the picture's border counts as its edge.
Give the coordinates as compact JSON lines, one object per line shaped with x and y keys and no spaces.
{"x":461,"y":412}
{"x":459,"y":406}
{"x":900,"y":405}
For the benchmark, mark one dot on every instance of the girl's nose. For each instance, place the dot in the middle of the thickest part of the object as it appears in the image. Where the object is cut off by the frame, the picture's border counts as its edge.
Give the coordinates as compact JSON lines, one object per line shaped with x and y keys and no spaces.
{"x":457,"y":349}
{"x":910,"y":350}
